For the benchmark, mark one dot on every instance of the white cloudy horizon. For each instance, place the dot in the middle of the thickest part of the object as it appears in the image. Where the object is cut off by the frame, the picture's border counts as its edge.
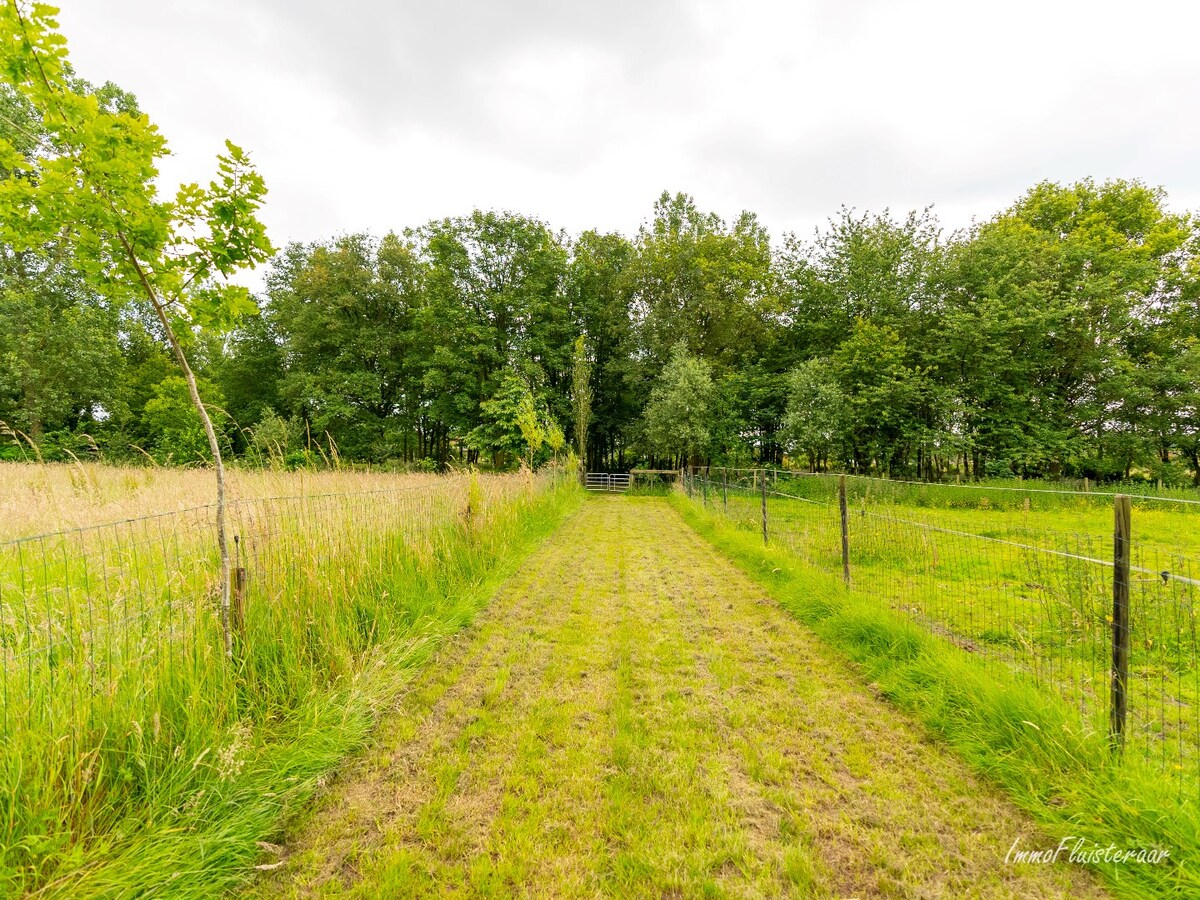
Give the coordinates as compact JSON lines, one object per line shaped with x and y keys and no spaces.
{"x":371,"y":116}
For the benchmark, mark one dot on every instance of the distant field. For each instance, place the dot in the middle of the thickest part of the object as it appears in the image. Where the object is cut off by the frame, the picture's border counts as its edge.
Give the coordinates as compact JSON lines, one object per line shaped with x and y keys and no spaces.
{"x":1163,"y":520}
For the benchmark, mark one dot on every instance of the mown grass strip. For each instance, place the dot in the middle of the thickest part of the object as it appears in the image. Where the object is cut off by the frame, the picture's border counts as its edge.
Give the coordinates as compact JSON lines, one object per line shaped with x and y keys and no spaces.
{"x":1028,"y":743}
{"x":632,"y":717}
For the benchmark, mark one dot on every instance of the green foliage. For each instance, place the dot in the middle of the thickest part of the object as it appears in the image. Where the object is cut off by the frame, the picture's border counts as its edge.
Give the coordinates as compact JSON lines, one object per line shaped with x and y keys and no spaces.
{"x":581,"y":385}
{"x":1056,"y":338}
{"x":59,"y":348}
{"x":814,"y":424}
{"x":175,"y":426}
{"x":1059,"y":313}
{"x":347,"y":311}
{"x":698,"y":280}
{"x":273,"y":438}
{"x":95,"y":172}
{"x":883,"y":398}
{"x":679,"y":417}
{"x":515,"y":424}
{"x":862,"y":268}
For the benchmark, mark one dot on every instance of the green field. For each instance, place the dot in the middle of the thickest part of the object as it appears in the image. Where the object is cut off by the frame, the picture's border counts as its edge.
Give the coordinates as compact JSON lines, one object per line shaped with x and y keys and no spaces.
{"x":1025,"y":589}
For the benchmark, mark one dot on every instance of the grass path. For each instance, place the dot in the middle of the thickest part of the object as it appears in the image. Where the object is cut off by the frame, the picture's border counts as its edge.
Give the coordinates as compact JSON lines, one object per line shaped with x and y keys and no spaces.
{"x":633,"y":717}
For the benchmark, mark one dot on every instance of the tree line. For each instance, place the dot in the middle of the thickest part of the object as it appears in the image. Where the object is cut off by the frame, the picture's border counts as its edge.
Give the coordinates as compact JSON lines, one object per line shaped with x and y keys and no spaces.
{"x":1058,"y":337}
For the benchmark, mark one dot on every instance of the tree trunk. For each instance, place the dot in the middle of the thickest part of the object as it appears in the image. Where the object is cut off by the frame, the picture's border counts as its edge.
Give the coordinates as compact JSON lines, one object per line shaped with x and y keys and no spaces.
{"x":214,"y":445}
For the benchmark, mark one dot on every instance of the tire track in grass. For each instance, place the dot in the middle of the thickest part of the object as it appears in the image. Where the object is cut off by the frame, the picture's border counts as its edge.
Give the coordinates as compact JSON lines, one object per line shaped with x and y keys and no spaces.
{"x":632,"y":717}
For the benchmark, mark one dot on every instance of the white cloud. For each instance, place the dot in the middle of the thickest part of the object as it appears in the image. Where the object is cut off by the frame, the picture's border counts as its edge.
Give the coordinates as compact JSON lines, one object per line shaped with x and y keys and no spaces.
{"x":381,"y":115}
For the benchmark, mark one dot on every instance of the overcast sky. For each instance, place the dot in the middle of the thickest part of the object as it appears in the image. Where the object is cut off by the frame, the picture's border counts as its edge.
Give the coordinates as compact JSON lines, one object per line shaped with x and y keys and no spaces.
{"x":376,"y":115}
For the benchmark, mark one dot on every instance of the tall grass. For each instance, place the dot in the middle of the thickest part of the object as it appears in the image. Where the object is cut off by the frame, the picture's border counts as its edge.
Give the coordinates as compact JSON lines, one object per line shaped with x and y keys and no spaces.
{"x":1005,"y":724}
{"x":56,"y":496}
{"x":136,"y":758}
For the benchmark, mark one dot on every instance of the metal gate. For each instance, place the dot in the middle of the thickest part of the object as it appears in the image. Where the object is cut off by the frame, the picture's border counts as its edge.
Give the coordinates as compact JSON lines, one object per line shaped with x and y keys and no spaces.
{"x":603,"y":481}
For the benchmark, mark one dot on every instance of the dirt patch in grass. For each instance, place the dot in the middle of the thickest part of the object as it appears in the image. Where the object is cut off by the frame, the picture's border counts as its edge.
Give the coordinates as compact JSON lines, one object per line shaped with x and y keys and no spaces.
{"x":633,"y":717}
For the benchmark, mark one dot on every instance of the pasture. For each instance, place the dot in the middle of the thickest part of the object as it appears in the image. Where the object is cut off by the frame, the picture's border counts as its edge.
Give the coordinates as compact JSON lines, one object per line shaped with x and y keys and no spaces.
{"x":1019,"y":578}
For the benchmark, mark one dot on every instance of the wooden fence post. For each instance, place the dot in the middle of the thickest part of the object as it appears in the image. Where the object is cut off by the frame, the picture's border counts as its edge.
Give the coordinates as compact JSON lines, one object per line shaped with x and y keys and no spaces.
{"x":764,"y":504}
{"x":845,"y":528}
{"x":704,"y":487}
{"x":238,"y":592}
{"x":1120,"y":622}
{"x":725,"y":489}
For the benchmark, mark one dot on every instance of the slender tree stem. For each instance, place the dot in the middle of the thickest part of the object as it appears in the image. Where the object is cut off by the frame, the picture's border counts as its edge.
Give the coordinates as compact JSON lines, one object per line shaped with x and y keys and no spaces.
{"x":214,"y":445}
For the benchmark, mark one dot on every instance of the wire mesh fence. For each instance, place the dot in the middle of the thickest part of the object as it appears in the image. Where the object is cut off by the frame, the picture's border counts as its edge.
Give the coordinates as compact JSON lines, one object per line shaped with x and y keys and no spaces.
{"x":1023,"y":580}
{"x":115,"y":627}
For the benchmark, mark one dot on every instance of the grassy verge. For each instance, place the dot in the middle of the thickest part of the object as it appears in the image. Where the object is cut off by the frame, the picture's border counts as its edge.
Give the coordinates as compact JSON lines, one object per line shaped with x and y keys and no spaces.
{"x":188,"y":795}
{"x":1028,"y":743}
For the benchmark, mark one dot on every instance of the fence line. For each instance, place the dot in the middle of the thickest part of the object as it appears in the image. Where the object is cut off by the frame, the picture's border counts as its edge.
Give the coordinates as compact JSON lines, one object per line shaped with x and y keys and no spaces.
{"x":1053,"y":614}
{"x":106,"y":619}
{"x":791,"y":473}
{"x":986,"y":487}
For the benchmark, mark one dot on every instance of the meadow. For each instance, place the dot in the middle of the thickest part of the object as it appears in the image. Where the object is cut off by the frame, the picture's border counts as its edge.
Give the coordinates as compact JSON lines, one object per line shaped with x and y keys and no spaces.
{"x":135,"y":752}
{"x":1021,"y":578}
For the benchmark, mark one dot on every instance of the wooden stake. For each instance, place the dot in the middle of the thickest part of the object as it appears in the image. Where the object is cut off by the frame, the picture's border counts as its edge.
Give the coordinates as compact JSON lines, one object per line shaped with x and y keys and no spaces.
{"x":238,"y":611}
{"x":845,"y":528}
{"x":1120,"y":622}
{"x":764,"y":504}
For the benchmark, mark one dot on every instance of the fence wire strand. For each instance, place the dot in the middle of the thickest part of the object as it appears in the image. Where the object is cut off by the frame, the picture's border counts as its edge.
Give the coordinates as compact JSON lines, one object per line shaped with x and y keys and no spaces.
{"x":111,"y":623}
{"x":997,"y":577}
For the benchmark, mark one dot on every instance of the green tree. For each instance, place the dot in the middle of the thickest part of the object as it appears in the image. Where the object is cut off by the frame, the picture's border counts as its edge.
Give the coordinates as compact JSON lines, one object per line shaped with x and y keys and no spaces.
{"x":698,"y":280}
{"x":861,"y":267}
{"x":248,"y":371}
{"x":1054,"y":310}
{"x":346,"y":314}
{"x":581,"y":373}
{"x":493,"y":301}
{"x":599,"y":299}
{"x":883,"y":396}
{"x":178,"y":433}
{"x":814,"y":421}
{"x":59,"y":349}
{"x":60,"y":353}
{"x":678,"y":420}
{"x":94,"y":179}
{"x":514,"y":424}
